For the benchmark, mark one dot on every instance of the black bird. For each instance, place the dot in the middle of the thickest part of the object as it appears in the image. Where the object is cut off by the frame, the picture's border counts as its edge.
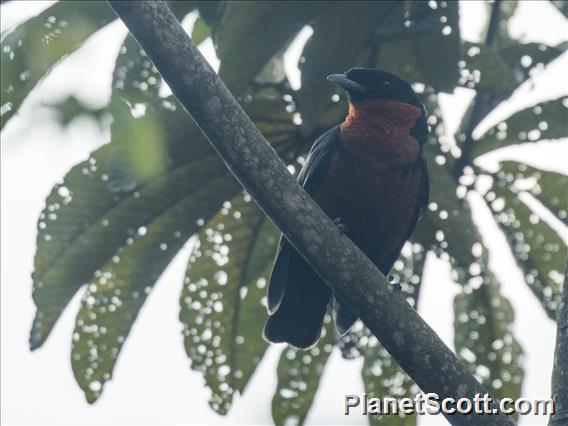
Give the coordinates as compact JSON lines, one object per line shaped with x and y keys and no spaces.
{"x":367,"y":173}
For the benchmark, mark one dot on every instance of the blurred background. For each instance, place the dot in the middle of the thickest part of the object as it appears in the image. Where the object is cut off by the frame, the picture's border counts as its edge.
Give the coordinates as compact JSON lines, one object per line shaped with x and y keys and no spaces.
{"x":100,"y":224}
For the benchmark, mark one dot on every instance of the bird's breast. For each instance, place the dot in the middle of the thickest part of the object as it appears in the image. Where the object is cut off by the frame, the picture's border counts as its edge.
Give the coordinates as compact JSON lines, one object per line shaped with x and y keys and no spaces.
{"x":373,"y":187}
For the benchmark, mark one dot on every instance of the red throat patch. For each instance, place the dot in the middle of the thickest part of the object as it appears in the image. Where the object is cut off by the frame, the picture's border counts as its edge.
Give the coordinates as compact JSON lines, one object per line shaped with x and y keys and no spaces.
{"x":380,"y":116}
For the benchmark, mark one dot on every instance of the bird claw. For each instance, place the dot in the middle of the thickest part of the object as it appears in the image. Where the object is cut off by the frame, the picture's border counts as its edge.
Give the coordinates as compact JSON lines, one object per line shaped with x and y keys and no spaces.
{"x":395,"y":286}
{"x":340,"y":225}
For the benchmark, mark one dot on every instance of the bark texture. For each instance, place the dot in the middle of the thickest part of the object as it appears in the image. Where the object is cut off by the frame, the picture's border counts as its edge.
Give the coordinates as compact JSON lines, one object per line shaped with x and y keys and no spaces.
{"x":414,"y":345}
{"x":560,"y":369}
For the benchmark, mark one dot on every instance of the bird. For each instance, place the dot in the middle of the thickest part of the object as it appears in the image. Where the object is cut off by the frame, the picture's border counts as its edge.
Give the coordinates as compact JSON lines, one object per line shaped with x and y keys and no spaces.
{"x":369,"y":175}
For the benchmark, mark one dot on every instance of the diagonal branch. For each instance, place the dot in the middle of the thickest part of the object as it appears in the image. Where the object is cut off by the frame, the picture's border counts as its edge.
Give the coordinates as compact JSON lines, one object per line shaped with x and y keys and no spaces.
{"x":413,"y":344}
{"x":560,"y":369}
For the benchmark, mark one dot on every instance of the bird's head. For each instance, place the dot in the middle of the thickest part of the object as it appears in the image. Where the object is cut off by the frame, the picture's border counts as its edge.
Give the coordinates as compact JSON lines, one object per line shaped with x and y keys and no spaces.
{"x":369,"y":84}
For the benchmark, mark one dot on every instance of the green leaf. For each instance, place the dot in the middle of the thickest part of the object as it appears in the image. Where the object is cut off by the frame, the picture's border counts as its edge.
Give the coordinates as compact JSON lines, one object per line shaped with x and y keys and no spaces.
{"x":458,"y":237}
{"x":140,"y":155}
{"x":548,"y":187}
{"x":438,"y":50}
{"x":407,"y":272}
{"x":273,"y":72}
{"x":267,"y":26}
{"x":34,"y":47}
{"x":537,"y":248}
{"x":299,"y":373}
{"x":340,"y":33}
{"x":118,"y":288}
{"x":221,"y":301}
{"x":200,"y":32}
{"x":449,"y":216}
{"x":85,"y":222}
{"x":383,"y":378}
{"x":447,"y":220}
{"x":523,"y":58}
{"x":484,"y":68}
{"x":93,"y":233}
{"x":134,"y":79}
{"x":500,"y":71}
{"x":546,"y":120}
{"x":483,"y":337}
{"x":507,"y":10}
{"x":426,"y":46}
{"x":210,"y":11}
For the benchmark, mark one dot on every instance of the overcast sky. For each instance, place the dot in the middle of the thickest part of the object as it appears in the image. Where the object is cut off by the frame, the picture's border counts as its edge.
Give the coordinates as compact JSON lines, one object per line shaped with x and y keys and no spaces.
{"x":152,"y":381}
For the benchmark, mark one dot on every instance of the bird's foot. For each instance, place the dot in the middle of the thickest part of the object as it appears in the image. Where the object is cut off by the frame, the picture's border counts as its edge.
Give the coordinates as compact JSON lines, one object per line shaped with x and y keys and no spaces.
{"x":395,"y":285}
{"x":340,"y":225}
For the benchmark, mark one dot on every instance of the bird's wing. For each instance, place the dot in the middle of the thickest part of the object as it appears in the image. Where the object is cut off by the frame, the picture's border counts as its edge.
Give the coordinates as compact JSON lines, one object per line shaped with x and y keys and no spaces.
{"x":419,"y":209}
{"x":318,"y":160}
{"x":315,"y":169}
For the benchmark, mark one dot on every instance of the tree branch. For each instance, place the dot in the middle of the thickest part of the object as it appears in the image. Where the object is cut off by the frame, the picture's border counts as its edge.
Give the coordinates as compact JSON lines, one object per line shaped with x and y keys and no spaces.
{"x":560,"y":369}
{"x":413,"y":344}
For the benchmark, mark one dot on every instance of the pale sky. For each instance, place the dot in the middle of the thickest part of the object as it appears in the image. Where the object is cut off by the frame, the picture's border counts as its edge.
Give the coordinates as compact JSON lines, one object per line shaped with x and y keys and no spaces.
{"x":152,"y":381}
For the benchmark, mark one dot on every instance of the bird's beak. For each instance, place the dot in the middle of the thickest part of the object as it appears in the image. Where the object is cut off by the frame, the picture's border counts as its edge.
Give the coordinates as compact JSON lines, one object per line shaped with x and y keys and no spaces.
{"x":349,"y":85}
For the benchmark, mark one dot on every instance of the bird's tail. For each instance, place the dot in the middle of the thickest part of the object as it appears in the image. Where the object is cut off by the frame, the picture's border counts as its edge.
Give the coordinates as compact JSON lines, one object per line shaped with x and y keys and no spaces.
{"x":298,"y":316}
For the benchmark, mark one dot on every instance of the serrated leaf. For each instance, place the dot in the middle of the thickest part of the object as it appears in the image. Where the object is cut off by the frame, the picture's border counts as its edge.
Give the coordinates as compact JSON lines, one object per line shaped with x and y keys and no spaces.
{"x":85,"y":222}
{"x":537,"y":248}
{"x":221,"y":301}
{"x":484,"y":340}
{"x":548,"y":187}
{"x":340,"y":33}
{"x":500,"y":370}
{"x":299,"y":373}
{"x":456,"y":234}
{"x":34,"y":47}
{"x":267,"y":26}
{"x":546,"y":120}
{"x":119,"y":288}
{"x":99,"y":235}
